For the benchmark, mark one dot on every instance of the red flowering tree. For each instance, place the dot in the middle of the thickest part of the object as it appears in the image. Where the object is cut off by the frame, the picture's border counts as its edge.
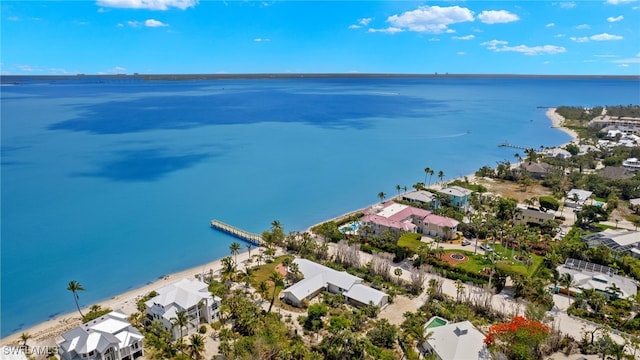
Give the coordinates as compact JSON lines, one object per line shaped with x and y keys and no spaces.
{"x":519,"y":339}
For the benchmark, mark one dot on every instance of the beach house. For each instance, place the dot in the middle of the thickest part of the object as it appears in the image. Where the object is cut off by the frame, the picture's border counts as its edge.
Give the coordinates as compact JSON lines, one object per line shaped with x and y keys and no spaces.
{"x":536,"y":170}
{"x":319,"y":278}
{"x":399,"y":217}
{"x":459,"y":340}
{"x":421,"y":197}
{"x":458,"y":196}
{"x":109,"y":337}
{"x":190,"y":296}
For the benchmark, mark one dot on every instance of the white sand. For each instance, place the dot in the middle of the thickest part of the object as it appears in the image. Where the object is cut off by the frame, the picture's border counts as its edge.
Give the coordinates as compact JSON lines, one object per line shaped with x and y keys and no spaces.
{"x":557,"y":122}
{"x":46,"y":333}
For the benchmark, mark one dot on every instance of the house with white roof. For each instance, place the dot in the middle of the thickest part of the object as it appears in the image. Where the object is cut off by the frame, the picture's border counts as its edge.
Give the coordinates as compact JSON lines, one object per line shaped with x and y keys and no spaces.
{"x":399,"y":217}
{"x":420,"y":197}
{"x":577,"y":197}
{"x":588,"y":276}
{"x":190,"y":296}
{"x":455,"y":341}
{"x":618,"y":240}
{"x":319,"y":278}
{"x":458,"y":196}
{"x":109,"y":337}
{"x":558,"y":153}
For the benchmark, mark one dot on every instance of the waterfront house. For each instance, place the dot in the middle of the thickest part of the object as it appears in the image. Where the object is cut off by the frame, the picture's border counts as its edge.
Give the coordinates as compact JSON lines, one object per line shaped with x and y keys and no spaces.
{"x":536,"y":170}
{"x":319,"y":278}
{"x":459,"y":340}
{"x":189,"y":295}
{"x":458,"y":196}
{"x":576,"y":197}
{"x":559,"y":153}
{"x":421,"y":197}
{"x":109,"y":337}
{"x":600,"y":278}
{"x":530,"y":215}
{"x":403,"y":218}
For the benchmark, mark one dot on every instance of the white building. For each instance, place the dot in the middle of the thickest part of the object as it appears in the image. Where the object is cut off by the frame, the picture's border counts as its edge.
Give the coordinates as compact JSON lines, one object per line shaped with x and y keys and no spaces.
{"x":618,"y":240}
{"x":528,"y":215}
{"x":192,"y":297}
{"x":109,"y":337}
{"x":318,"y":278}
{"x":456,"y":341}
{"x":632,"y":164}
{"x":588,"y":276}
{"x":577,"y":197}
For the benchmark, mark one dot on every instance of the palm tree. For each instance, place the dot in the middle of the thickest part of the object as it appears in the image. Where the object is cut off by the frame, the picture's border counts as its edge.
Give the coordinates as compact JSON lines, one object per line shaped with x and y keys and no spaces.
{"x":249,"y":249}
{"x":276,"y":278}
{"x":235,"y":250}
{"x":228,"y":270}
{"x":196,"y":346}
{"x":398,"y":188}
{"x":381,"y":196}
{"x":441,"y":175}
{"x":427,"y":171}
{"x":615,"y":290}
{"x":180,"y":321}
{"x":518,"y":157}
{"x":74,"y":287}
{"x":24,"y":337}
{"x":566,"y":281}
{"x":275,"y":224}
{"x":397,"y":272}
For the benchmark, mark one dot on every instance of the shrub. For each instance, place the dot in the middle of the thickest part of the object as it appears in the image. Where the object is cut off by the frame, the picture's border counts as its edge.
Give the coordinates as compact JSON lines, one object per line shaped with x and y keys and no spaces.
{"x":203,"y":329}
{"x":548,"y":202}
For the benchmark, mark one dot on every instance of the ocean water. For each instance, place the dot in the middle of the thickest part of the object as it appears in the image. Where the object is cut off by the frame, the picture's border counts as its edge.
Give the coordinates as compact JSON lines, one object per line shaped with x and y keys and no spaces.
{"x":113,"y":184}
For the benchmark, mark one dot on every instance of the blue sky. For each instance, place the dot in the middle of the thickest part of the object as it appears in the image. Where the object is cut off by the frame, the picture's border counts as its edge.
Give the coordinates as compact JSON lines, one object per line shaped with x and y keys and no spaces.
{"x":191,"y":36}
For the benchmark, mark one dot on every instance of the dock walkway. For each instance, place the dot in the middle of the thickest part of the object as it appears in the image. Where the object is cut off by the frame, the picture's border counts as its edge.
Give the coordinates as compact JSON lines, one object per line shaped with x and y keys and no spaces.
{"x":237,"y":232}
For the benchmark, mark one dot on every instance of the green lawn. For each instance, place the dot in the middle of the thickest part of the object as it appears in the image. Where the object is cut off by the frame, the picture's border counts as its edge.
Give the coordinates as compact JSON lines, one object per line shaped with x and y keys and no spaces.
{"x":263,"y":272}
{"x":504,"y":261}
{"x":410,"y":241}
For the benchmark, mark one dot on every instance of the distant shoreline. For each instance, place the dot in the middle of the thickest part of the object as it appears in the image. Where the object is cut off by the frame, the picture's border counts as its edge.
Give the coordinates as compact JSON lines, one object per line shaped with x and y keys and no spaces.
{"x":184,"y":77}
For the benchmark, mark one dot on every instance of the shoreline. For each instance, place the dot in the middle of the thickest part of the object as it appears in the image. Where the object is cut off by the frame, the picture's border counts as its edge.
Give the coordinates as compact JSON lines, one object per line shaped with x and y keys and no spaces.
{"x":45,"y":333}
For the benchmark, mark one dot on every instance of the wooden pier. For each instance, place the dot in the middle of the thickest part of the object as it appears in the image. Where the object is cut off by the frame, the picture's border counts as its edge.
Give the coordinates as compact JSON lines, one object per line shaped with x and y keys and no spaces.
{"x":506,"y":144}
{"x":239,"y":233}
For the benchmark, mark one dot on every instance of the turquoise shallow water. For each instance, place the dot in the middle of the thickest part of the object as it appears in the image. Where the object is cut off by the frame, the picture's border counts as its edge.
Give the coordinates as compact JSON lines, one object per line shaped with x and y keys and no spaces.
{"x":113,"y":185}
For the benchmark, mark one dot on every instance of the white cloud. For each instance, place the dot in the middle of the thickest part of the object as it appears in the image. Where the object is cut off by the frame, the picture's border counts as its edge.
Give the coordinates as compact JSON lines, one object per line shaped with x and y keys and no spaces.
{"x":262,"y":40}
{"x":101,"y":10}
{"x":565,"y":4}
{"x":623,"y":65}
{"x":25,"y":68}
{"x":615,"y":19}
{"x":354,"y":26}
{"x":550,"y":25}
{"x":497,"y":17}
{"x":434,"y":39}
{"x":13,"y":18}
{"x":560,"y":35}
{"x":148,"y":4}
{"x":579,"y":39}
{"x":431,"y":19}
{"x":618,"y":2}
{"x":154,"y":23}
{"x":466,"y":37}
{"x":605,"y":37}
{"x":120,"y":25}
{"x":461,"y":53}
{"x":134,"y":23}
{"x":583,"y":27}
{"x":501,"y":46}
{"x":364,"y":21}
{"x":389,"y":30}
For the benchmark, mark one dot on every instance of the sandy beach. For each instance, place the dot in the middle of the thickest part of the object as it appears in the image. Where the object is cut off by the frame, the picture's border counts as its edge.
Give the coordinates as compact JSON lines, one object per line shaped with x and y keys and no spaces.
{"x":46,"y":333}
{"x":557,"y":122}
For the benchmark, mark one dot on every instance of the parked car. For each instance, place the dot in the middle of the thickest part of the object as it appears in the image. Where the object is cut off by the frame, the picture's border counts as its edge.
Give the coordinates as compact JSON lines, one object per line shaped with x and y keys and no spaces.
{"x":485,"y":247}
{"x":466,"y":242}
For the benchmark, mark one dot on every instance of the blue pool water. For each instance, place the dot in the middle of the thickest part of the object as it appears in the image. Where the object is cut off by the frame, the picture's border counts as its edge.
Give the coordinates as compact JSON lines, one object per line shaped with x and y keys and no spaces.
{"x":113,"y":185}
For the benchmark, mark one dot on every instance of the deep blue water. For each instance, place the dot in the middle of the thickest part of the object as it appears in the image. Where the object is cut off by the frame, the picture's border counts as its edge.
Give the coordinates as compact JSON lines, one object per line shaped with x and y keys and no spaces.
{"x":113,"y":185}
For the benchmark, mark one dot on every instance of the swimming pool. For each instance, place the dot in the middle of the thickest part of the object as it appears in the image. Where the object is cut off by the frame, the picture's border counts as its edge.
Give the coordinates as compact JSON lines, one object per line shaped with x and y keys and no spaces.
{"x":436,"y":321}
{"x":351,"y":228}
